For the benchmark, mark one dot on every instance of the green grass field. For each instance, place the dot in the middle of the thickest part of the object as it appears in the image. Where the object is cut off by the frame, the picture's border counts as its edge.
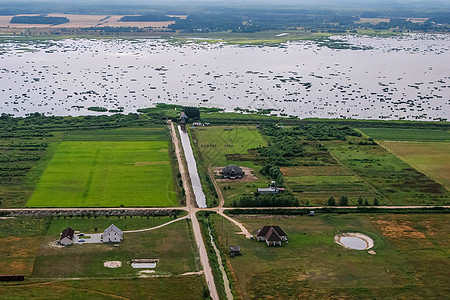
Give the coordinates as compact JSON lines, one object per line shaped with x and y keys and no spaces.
{"x":171,"y":244}
{"x":396,"y":134}
{"x":118,"y":134}
{"x":408,"y":250}
{"x":431,"y":158}
{"x":91,"y":174}
{"x":230,"y":145}
{"x":219,"y":146}
{"x":394,"y":179}
{"x":27,"y":249}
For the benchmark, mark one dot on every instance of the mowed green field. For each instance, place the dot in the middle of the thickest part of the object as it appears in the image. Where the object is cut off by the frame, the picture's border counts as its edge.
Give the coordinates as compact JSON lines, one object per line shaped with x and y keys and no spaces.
{"x":396,"y":134}
{"x":106,"y":174}
{"x":219,"y":146}
{"x":433,"y":159}
{"x":222,"y":145}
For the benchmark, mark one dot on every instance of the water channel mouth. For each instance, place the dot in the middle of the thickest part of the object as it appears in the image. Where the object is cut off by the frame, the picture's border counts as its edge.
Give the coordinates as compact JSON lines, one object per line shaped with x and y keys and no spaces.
{"x":353,"y":240}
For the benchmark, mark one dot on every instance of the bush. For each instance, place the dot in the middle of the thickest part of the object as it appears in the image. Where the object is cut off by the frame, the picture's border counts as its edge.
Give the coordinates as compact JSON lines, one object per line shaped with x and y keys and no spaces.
{"x":331,"y":201}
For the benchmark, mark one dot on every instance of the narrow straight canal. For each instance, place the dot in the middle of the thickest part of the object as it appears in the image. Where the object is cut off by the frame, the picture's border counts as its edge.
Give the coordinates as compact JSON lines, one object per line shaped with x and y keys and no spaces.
{"x":200,"y":198}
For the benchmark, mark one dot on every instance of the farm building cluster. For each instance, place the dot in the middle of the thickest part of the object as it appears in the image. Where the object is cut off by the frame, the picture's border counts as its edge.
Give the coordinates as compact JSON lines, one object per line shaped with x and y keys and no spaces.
{"x":112,"y":234}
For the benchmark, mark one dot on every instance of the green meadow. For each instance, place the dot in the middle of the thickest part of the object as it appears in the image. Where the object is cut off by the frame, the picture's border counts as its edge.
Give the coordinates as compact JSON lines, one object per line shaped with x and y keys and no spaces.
{"x":107,"y":174}
{"x":53,"y":272}
{"x":411,"y":260}
{"x":219,"y":146}
{"x":397,"y":134}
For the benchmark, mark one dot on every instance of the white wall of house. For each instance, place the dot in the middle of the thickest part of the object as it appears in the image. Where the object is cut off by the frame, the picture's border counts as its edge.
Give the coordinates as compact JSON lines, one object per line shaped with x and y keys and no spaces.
{"x":112,"y":236}
{"x":66,"y":241}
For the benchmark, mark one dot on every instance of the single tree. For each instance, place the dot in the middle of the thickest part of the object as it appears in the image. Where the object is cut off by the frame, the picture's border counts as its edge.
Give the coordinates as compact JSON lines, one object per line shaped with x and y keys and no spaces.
{"x":375,"y":202}
{"x":360,"y":201}
{"x":366,"y":203}
{"x":343,"y":200}
{"x":331,"y":201}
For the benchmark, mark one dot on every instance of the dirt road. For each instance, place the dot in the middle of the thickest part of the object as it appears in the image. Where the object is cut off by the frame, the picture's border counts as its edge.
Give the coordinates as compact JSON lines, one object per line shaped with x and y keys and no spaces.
{"x":190,"y":204}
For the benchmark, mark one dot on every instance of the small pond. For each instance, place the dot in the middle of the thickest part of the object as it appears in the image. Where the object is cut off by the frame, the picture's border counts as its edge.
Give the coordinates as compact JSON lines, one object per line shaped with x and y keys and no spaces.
{"x":143,"y":265}
{"x":356,"y":241}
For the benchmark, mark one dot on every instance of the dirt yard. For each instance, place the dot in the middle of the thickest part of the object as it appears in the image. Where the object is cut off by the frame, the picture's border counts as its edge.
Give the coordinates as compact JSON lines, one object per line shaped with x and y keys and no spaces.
{"x":249,"y":175}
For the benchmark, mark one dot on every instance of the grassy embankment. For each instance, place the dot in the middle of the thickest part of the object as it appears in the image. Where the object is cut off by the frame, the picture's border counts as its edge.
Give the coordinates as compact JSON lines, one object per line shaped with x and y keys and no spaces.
{"x":408,"y":249}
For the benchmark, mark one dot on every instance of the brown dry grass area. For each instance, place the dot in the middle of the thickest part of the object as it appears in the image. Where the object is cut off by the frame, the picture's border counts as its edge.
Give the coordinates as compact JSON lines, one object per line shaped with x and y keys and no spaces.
{"x":315,"y":171}
{"x":398,"y":229}
{"x":249,"y":175}
{"x":18,"y":254}
{"x":401,"y":231}
{"x":83,"y":21}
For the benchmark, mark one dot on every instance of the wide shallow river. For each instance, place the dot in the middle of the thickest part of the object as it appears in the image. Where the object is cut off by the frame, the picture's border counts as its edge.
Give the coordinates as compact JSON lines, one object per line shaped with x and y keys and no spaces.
{"x":404,"y":77}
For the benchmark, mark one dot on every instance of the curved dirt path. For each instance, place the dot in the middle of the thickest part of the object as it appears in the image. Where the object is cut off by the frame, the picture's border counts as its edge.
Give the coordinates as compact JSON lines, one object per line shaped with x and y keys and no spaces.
{"x":156,"y":227}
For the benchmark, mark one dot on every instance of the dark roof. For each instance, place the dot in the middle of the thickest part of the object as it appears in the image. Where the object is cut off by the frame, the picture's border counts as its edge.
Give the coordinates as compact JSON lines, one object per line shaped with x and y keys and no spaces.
{"x":68,"y":232}
{"x":272,"y":236}
{"x":263,"y":231}
{"x":232,"y":170}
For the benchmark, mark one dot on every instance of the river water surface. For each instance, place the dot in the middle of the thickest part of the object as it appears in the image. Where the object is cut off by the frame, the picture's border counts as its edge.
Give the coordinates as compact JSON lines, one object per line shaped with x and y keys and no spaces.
{"x":402,"y":77}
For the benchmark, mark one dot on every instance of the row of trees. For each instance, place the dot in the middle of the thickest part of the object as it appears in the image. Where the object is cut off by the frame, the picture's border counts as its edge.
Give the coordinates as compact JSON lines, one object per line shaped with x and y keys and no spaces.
{"x":343,"y":201}
{"x":285,"y":199}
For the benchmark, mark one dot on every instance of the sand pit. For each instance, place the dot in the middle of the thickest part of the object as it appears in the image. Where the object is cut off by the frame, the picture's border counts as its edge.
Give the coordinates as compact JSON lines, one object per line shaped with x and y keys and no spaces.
{"x":353,"y":240}
{"x":112,"y":264}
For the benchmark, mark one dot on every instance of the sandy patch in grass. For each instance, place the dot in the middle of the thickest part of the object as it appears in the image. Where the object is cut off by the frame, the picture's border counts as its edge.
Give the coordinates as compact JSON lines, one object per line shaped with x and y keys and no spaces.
{"x":55,"y":245}
{"x":112,"y":264}
{"x":163,"y":150}
{"x":249,"y":175}
{"x":5,"y":218}
{"x":192,"y":273}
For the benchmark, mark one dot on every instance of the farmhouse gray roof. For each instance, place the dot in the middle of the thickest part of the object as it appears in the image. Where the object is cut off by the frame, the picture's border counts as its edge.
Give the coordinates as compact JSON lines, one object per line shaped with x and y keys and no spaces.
{"x":113,"y":228}
{"x":232,"y":170}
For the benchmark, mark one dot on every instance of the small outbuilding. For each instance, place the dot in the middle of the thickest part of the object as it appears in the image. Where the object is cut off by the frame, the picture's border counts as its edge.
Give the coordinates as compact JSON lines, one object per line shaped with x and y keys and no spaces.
{"x":235,"y":250}
{"x":272,"y":235}
{"x":232,"y":172}
{"x":272,"y":189}
{"x":112,"y":234}
{"x":67,"y":237}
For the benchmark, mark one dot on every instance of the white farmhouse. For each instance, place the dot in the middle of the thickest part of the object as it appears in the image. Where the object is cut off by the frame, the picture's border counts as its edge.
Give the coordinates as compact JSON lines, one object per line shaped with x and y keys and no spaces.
{"x":112,"y":234}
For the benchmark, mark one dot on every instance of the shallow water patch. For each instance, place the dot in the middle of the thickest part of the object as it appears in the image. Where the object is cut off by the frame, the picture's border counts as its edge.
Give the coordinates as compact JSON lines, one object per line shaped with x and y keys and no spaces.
{"x":353,"y":240}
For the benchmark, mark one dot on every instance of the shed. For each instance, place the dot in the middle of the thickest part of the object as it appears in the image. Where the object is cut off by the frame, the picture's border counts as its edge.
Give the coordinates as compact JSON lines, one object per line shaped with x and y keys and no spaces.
{"x":235,"y":250}
{"x":232,"y":172}
{"x":112,"y":234}
{"x":67,"y":236}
